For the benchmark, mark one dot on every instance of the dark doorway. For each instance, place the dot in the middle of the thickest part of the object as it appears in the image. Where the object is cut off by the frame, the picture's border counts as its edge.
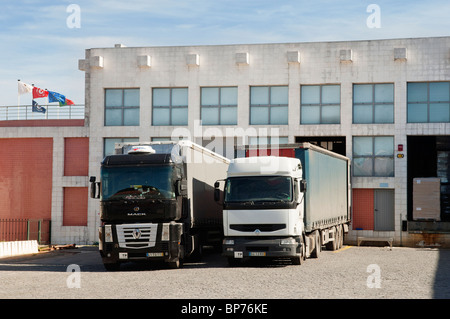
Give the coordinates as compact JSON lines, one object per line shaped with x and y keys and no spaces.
{"x":429,"y":156}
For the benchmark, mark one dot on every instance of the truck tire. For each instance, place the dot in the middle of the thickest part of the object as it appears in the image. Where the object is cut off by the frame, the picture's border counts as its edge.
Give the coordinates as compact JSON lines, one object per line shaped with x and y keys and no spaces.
{"x":317,"y":245}
{"x":341,"y":237}
{"x":174,"y":264}
{"x":331,"y":245}
{"x":298,"y":260}
{"x":233,"y":262}
{"x":112,"y":266}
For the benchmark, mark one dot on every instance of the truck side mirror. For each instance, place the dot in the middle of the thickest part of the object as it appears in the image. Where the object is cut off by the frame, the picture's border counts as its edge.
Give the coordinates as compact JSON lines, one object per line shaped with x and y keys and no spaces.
{"x":181,"y":188}
{"x":217,"y":191}
{"x":303,"y":186}
{"x":94,"y":186}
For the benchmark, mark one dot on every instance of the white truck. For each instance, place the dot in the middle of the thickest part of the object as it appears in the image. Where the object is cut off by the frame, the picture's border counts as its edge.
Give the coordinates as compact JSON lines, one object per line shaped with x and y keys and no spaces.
{"x":157,"y":202}
{"x":285,"y":206}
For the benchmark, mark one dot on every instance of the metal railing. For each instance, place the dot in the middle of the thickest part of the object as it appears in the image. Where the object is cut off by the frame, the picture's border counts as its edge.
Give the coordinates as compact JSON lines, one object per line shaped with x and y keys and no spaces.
{"x":16,"y":229}
{"x":52,"y":112}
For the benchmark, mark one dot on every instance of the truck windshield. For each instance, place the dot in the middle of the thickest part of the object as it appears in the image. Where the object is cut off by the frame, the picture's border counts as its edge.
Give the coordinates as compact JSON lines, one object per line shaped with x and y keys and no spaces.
{"x":144,"y":182}
{"x":258,"y":188}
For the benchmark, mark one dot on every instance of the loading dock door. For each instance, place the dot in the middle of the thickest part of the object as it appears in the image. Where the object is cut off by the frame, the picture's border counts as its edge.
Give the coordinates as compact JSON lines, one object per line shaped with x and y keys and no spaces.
{"x":384,"y":210}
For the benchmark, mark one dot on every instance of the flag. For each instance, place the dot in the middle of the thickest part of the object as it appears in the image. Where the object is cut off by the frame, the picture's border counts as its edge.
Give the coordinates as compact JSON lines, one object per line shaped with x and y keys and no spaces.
{"x":68,"y":102}
{"x":56,"y":97}
{"x":37,"y":92}
{"x":24,"y":88}
{"x":37,"y":108}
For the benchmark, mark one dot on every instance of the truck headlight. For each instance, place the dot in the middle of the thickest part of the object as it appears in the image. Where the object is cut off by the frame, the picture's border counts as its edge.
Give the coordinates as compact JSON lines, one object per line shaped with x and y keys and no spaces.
{"x":108,"y":234}
{"x":228,"y":242}
{"x":287,"y":241}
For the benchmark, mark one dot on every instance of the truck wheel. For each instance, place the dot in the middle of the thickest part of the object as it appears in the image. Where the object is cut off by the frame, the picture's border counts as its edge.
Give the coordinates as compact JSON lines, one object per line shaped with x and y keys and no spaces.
{"x":174,"y":264}
{"x":233,"y":262}
{"x":298,"y":260}
{"x":341,"y":237}
{"x":331,"y":245}
{"x":112,"y":266}
{"x":317,"y":245}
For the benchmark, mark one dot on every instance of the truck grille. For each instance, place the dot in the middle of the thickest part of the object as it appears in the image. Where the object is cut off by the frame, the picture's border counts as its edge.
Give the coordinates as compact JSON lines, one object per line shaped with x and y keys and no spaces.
{"x":261,"y":227}
{"x":137,"y":235}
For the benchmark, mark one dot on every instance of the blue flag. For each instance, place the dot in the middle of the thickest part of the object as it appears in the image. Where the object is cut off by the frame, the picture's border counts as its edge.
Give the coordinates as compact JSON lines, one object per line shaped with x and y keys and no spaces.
{"x":56,"y":97}
{"x":37,"y":108}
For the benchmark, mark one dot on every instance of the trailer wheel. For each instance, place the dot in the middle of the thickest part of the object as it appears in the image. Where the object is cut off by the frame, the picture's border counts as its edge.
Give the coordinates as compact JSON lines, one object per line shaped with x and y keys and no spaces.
{"x":340,"y":241}
{"x":317,"y":245}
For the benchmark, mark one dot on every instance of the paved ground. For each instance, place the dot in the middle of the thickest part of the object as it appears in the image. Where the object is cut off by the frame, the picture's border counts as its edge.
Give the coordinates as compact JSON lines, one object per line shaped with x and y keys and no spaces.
{"x":352,"y":272}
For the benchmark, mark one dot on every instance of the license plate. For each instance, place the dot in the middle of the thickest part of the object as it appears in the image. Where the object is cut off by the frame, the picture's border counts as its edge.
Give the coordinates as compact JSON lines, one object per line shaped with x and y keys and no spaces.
{"x":238,"y":254}
{"x":123,"y":255}
{"x":257,"y":253}
{"x":155,"y":254}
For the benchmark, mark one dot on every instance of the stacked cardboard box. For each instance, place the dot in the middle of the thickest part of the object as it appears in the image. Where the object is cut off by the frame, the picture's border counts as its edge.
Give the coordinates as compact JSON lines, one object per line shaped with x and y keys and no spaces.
{"x":426,"y":198}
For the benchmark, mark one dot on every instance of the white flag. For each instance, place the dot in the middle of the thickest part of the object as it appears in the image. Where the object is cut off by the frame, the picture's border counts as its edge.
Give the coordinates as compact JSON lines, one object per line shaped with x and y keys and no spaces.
{"x":24,"y":88}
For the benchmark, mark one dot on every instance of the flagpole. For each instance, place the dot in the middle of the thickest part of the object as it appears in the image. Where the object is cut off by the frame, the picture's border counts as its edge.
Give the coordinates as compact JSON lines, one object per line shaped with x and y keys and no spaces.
{"x":18,"y":103}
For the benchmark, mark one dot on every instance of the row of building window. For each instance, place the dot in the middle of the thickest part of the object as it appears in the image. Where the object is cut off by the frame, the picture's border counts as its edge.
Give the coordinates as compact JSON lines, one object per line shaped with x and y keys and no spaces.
{"x":427,"y":102}
{"x":372,"y":155}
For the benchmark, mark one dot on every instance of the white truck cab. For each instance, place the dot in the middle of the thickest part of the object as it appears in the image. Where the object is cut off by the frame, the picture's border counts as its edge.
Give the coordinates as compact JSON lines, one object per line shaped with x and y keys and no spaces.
{"x":262,"y":208}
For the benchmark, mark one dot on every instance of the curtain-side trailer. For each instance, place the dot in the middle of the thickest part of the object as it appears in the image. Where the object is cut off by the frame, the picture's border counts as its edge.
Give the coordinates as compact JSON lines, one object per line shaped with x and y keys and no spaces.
{"x":286,"y":206}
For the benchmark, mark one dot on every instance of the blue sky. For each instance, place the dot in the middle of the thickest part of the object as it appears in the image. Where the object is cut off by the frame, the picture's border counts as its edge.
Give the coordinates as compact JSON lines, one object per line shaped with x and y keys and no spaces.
{"x":38,"y":47}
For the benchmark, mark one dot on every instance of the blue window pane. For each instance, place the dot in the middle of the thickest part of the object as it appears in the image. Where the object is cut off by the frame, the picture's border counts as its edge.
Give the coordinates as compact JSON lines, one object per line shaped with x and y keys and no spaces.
{"x":113,"y":97}
{"x":417,"y":113}
{"x":161,"y":97}
{"x":228,"y":115}
{"x":384,"y":166}
{"x":362,"y":166}
{"x":439,"y":112}
{"x":362,"y":93}
{"x":417,"y":92}
{"x":259,"y":95}
{"x":131,"y":97}
{"x":180,"y":116}
{"x":180,"y":97}
{"x":362,"y":114}
{"x":331,"y":94}
{"x":228,"y":96}
{"x":131,"y":117}
{"x":439,"y":92}
{"x":384,"y":113}
{"x":384,"y":145}
{"x":331,"y":114}
{"x":310,"y":94}
{"x":210,"y":115}
{"x":279,"y":95}
{"x":210,"y":96}
{"x":362,"y":146}
{"x":310,"y":115}
{"x":259,"y":115}
{"x":161,"y":116}
{"x":279,"y":115}
{"x":113,"y":117}
{"x":384,"y":93}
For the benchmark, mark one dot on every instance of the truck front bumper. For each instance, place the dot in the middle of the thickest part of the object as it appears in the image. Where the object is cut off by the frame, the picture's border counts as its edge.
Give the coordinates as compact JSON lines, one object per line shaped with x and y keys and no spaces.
{"x":244,"y":247}
{"x":168,"y":249}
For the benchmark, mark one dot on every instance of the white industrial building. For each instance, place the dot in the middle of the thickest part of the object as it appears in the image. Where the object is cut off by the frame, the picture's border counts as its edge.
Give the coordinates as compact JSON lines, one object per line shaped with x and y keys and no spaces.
{"x":383,"y":103}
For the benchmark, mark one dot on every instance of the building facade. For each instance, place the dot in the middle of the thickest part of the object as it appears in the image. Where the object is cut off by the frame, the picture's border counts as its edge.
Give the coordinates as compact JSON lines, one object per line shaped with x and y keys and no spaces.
{"x":383,"y":103}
